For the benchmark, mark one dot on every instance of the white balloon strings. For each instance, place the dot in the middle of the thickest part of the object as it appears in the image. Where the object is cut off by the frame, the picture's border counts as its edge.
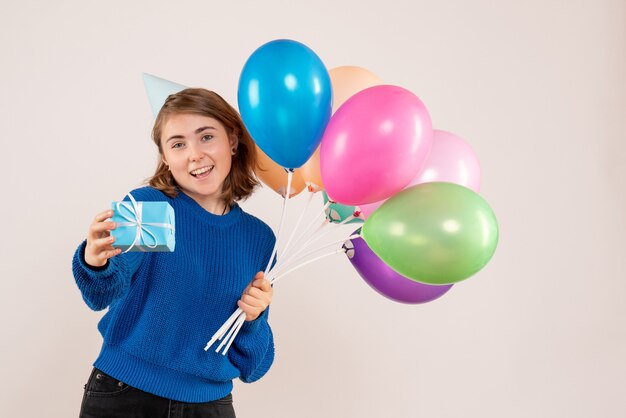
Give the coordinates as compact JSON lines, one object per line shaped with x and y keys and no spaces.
{"x":300,"y":261}
{"x":231,"y":327}
{"x":238,"y":323}
{"x":293,"y":231}
{"x":299,"y":247}
{"x":339,"y":251}
{"x":282,"y":220}
{"x":316,"y":236}
{"x":239,"y":315}
{"x":306,"y":230}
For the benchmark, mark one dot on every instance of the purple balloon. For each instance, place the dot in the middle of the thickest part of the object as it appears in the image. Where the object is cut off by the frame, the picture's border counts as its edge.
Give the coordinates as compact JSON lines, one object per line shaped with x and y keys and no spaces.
{"x":385,"y":280}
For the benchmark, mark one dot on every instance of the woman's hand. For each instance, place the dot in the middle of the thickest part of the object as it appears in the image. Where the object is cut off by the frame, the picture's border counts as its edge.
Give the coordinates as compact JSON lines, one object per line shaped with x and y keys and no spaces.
{"x":257,"y":297}
{"x":99,"y":240}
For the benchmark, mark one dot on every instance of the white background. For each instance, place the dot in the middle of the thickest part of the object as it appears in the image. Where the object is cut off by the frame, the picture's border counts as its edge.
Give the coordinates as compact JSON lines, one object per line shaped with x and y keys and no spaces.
{"x":538,"y":88}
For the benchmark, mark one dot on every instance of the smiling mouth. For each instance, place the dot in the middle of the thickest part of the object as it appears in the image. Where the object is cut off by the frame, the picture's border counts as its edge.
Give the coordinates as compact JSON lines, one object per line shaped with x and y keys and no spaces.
{"x":202,"y":172}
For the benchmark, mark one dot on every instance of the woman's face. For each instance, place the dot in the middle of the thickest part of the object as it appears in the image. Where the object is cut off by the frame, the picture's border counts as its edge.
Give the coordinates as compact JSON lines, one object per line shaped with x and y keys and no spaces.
{"x":198,"y":151}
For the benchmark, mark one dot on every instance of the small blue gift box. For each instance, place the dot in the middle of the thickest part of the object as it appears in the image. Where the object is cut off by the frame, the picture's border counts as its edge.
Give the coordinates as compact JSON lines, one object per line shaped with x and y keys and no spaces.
{"x":143,"y":226}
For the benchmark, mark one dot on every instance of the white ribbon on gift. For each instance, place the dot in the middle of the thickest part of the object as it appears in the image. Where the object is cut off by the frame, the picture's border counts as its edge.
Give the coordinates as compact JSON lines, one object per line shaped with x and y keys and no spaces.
{"x":135,"y":209}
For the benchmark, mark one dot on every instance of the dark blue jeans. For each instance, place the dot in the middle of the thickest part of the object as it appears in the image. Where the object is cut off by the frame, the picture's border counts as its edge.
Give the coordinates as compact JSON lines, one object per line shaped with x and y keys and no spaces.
{"x":110,"y":398}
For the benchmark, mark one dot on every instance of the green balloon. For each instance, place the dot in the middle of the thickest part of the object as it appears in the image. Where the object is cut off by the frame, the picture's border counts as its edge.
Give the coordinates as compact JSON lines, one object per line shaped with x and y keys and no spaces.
{"x":336,"y":212}
{"x":435,"y":233}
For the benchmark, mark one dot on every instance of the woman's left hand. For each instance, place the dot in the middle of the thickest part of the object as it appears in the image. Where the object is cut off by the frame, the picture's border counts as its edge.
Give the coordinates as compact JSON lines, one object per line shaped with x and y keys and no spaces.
{"x":257,"y":297}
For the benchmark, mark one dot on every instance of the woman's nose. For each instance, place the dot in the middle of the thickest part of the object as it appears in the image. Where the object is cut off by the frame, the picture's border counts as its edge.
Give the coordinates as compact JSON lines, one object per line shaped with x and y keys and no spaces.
{"x":195,"y":154}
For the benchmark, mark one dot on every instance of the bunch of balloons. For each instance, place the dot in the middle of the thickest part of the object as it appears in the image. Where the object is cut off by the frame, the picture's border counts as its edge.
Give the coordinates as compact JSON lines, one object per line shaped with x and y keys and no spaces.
{"x":376,"y":157}
{"x":378,"y":162}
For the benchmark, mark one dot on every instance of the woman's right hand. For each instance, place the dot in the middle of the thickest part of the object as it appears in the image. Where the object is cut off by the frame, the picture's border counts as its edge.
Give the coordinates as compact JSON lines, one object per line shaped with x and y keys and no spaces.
{"x":99,"y":240}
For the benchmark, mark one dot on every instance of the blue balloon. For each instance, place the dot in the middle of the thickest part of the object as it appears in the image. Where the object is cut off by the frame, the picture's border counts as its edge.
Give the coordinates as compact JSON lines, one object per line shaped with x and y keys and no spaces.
{"x":285,"y":100}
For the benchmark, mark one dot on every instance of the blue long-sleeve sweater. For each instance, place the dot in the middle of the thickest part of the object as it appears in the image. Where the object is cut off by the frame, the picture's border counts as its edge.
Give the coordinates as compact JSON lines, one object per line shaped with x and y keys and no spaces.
{"x":164,"y":307}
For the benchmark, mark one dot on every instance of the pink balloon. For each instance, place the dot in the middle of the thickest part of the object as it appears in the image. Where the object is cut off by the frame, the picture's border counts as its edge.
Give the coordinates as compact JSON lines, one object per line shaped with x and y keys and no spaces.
{"x":451,"y":159}
{"x":367,"y":209}
{"x":374,"y":145}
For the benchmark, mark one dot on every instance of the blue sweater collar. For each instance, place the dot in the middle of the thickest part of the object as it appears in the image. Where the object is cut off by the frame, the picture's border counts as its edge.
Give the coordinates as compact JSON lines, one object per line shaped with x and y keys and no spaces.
{"x":205,"y":216}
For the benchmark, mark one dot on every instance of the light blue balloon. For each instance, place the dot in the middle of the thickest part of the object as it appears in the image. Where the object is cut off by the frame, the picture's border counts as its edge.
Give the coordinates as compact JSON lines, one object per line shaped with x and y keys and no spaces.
{"x":285,"y":100}
{"x":158,"y":89}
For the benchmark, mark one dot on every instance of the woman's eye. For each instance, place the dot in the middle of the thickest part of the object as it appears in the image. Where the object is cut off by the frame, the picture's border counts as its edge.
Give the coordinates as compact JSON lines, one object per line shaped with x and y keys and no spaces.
{"x":207,"y":137}
{"x":177,"y":145}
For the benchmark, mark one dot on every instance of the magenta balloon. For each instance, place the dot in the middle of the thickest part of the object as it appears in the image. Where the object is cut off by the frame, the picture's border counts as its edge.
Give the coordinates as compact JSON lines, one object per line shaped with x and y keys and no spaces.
{"x":451,"y":160}
{"x":386,"y":281}
{"x":374,"y":145}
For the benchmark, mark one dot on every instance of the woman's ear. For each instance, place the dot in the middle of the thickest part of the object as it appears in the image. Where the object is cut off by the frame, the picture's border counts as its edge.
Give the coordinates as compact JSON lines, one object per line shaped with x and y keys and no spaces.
{"x":234,"y":143}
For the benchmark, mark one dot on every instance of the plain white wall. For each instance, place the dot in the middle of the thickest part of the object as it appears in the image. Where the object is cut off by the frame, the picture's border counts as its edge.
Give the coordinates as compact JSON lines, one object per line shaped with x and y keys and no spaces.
{"x":538,"y":88}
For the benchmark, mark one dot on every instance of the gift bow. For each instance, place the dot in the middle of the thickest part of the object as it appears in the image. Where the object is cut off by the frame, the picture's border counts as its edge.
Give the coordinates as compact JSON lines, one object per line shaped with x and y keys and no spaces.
{"x":134,"y":219}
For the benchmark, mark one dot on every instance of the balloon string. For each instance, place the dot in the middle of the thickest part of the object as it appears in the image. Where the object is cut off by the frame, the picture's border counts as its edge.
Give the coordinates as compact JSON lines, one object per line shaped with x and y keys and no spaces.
{"x":282,"y":220}
{"x":306,"y":230}
{"x":277,"y":271}
{"x":237,"y":327}
{"x":230,"y":337}
{"x":321,"y":235}
{"x":309,"y":253}
{"x":317,"y":215}
{"x":293,"y":231}
{"x":275,"y":279}
{"x":238,"y":313}
{"x":233,"y":325}
{"x":231,"y":333}
{"x":286,"y":256}
{"x":239,"y":320}
{"x":316,"y":236}
{"x":299,"y":248}
{"x":220,"y":332}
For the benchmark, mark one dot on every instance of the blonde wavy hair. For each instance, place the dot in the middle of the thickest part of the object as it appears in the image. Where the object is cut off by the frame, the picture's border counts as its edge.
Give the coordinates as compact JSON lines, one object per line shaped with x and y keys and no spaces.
{"x":241,"y":180}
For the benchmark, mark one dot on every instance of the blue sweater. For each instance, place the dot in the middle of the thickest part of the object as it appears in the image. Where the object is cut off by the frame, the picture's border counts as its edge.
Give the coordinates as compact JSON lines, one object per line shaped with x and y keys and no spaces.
{"x":164,"y":307}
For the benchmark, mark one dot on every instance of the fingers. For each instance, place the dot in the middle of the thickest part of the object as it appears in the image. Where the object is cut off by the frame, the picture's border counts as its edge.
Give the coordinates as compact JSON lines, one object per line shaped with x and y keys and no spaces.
{"x":262,"y":284}
{"x":103,"y":215}
{"x":256,"y":293}
{"x":99,"y":227}
{"x":98,"y":251}
{"x":99,"y":240}
{"x":102,"y":244}
{"x":98,"y":256}
{"x":256,"y":298}
{"x":252,"y":312}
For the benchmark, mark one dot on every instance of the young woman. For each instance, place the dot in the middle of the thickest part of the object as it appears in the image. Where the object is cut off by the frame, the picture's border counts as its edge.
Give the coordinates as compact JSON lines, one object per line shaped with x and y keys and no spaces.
{"x":163,"y":307}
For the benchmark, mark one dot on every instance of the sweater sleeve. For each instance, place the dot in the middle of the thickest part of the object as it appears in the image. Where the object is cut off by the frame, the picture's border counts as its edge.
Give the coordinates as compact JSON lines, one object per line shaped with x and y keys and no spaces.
{"x":252,"y":351}
{"x":102,"y":286}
